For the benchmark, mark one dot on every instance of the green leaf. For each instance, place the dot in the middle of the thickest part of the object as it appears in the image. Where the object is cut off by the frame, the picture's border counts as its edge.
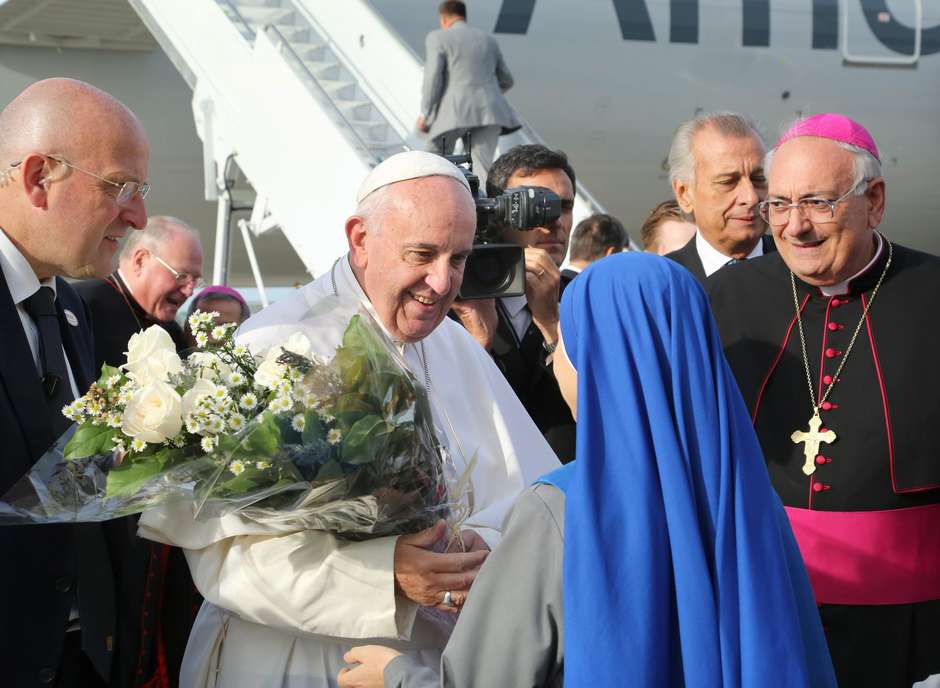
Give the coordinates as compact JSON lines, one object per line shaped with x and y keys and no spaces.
{"x":313,"y":428}
{"x":107,"y":372}
{"x":127,"y":479}
{"x":331,"y":470}
{"x":263,"y":440}
{"x":365,"y":440}
{"x":90,"y":439}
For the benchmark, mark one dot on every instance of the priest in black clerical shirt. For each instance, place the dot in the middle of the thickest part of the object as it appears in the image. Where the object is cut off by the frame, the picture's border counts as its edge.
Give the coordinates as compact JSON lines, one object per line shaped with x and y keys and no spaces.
{"x":717,"y":173}
{"x":832,"y":343}
{"x":158,"y":269}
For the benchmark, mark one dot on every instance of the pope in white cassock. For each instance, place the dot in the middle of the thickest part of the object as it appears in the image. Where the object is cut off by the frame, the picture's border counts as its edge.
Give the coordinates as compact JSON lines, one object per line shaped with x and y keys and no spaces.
{"x":282,"y":606}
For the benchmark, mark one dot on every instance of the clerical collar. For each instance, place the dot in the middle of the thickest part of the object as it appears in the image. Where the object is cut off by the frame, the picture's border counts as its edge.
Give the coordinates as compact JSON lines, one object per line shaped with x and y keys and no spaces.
{"x":116,"y":280}
{"x":849,"y":284}
{"x":714,"y":260}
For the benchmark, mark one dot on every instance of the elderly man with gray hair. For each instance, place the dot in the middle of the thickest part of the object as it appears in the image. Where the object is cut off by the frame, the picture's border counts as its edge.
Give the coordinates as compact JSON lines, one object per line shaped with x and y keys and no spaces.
{"x":158,"y":269}
{"x":717,"y":174}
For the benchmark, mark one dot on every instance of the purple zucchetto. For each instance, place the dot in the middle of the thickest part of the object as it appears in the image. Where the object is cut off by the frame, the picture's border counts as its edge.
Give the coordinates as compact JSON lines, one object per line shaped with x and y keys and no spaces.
{"x":835,"y":127}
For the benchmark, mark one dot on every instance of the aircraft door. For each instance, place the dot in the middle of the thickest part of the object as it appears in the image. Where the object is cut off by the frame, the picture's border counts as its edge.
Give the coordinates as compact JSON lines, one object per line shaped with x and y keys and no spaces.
{"x":888,"y":32}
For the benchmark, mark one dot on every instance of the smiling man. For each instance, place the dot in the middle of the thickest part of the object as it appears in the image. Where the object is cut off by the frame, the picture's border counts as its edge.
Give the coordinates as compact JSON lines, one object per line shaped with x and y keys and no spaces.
{"x":73,"y":171}
{"x":158,"y":269}
{"x":840,"y":374}
{"x":717,"y":174}
{"x":283,"y":605}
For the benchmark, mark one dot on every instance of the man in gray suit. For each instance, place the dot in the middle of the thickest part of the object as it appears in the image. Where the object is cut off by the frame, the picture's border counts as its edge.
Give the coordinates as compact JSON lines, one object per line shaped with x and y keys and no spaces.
{"x":464,"y":81}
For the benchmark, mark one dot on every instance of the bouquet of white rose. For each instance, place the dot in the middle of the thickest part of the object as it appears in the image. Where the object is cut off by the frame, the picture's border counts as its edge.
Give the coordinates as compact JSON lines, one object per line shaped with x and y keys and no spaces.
{"x":344,"y":444}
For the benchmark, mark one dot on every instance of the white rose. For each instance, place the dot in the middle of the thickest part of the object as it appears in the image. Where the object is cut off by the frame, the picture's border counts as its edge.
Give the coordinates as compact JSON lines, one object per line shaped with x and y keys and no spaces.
{"x":151,"y":356}
{"x":196,"y":392}
{"x":154,"y":413}
{"x":270,"y":371}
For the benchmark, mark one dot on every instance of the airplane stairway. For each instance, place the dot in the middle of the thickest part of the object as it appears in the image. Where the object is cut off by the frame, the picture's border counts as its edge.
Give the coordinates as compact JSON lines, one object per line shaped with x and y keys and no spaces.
{"x":306,"y":96}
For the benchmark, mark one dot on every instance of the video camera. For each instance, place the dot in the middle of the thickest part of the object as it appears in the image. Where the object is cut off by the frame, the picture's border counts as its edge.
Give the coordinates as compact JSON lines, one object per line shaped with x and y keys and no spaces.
{"x":495,"y":268}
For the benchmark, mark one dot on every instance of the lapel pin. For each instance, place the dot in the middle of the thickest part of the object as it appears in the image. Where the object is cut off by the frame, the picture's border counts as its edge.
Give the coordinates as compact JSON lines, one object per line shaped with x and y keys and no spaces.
{"x":70,"y":318}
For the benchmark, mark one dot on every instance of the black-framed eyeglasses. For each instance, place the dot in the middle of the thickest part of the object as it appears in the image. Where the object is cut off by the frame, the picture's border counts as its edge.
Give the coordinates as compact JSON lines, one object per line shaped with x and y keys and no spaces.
{"x":182,"y":278}
{"x":126,"y":190}
{"x":776,"y":211}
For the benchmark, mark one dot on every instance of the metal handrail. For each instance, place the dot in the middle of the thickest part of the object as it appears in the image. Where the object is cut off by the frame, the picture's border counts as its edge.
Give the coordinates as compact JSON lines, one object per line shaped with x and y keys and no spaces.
{"x":387,"y":111}
{"x":234,"y":8}
{"x":284,"y":46}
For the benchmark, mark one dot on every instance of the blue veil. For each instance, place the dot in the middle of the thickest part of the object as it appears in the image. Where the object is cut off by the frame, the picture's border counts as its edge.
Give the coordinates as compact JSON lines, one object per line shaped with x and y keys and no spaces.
{"x":680,"y":568}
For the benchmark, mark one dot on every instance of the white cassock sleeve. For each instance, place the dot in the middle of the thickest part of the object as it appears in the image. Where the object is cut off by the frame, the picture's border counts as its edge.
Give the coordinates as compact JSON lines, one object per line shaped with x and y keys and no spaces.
{"x":300,"y":581}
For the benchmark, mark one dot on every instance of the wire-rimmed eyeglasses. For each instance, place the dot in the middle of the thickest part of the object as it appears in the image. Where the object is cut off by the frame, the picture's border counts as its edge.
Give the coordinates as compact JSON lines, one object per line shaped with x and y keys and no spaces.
{"x":126,"y":190}
{"x":182,"y":278}
{"x":776,"y":211}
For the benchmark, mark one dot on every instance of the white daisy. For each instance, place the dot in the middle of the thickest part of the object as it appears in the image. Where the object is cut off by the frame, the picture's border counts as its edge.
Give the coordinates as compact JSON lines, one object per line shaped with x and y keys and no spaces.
{"x":202,"y":339}
{"x":138,"y":445}
{"x":112,"y":381}
{"x":240,"y":350}
{"x":248,"y":401}
{"x":263,"y":465}
{"x":193,"y":425}
{"x":298,"y":422}
{"x":208,"y":444}
{"x":280,"y":405}
{"x":114,"y":420}
{"x":235,"y":379}
{"x":334,"y":436}
{"x":236,"y":421}
{"x":237,"y":467}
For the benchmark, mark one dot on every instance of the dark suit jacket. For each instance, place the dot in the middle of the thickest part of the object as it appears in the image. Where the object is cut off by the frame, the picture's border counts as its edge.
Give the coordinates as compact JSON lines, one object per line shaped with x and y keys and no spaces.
{"x":688,"y":257}
{"x":42,"y":570}
{"x":523,"y":365}
{"x":156,"y":599}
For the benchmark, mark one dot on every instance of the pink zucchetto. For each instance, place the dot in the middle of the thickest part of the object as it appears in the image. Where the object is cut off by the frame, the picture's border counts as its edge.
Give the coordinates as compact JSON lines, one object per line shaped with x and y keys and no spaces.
{"x":834,"y":127}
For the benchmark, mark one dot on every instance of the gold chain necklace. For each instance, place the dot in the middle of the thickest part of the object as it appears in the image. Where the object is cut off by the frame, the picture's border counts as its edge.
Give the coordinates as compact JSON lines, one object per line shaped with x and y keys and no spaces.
{"x":812,"y":439}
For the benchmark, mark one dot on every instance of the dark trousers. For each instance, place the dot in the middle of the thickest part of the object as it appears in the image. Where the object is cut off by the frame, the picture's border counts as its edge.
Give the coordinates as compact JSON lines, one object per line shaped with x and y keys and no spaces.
{"x":890,"y":646}
{"x":75,"y":669}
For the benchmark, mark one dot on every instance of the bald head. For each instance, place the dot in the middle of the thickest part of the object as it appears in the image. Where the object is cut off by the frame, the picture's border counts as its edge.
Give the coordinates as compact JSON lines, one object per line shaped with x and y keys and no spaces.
{"x":66,"y":150}
{"x":61,"y":116}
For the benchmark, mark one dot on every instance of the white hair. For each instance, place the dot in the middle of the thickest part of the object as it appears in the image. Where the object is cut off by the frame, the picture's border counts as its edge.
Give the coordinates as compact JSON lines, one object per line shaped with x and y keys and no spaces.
{"x":681,"y":159}
{"x":375,"y":206}
{"x":159,"y":229}
{"x":865,"y":165}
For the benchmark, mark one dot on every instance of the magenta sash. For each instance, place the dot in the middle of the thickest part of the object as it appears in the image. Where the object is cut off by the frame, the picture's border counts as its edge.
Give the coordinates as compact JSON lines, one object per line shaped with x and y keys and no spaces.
{"x":870,"y":557}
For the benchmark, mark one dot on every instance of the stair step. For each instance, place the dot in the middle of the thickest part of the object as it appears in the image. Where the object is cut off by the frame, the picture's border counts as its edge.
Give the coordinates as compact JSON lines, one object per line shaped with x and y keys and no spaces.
{"x":326,"y":71}
{"x":314,"y":52}
{"x":372,"y":131}
{"x":267,"y":15}
{"x":356,"y":109}
{"x":341,"y":90}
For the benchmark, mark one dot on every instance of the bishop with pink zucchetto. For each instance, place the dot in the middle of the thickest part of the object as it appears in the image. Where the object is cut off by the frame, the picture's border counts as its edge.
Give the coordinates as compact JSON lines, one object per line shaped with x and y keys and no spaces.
{"x":835,"y":350}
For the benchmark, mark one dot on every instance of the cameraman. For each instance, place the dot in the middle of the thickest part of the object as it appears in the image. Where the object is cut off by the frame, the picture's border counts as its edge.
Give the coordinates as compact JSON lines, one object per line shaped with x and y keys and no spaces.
{"x":521,"y":332}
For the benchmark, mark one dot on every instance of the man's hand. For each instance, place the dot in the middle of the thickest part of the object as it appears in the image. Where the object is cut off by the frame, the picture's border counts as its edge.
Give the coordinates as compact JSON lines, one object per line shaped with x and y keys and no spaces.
{"x":424,"y":576}
{"x":542,"y":284}
{"x":469,"y":541}
{"x":422,"y":125}
{"x":479,"y":318}
{"x":371,"y":661}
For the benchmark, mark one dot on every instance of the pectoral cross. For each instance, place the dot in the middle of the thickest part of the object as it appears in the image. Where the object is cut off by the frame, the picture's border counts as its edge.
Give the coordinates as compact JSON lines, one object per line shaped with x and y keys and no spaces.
{"x":811,"y":441}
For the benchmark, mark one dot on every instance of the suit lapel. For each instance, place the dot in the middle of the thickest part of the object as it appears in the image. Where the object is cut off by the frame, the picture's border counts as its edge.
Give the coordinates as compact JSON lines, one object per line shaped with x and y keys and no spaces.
{"x":21,"y":379}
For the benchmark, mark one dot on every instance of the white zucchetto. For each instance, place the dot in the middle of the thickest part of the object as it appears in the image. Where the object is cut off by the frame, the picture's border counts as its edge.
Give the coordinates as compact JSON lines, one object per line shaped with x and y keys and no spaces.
{"x":409,"y":165}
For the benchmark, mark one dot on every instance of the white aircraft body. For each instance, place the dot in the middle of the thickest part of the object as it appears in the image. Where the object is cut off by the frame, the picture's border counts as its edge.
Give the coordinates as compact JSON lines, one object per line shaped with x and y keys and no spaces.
{"x":608,"y":81}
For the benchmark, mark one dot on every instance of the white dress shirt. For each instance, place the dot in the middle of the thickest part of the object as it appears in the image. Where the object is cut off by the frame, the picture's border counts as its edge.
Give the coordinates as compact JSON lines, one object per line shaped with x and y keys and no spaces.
{"x":519,"y":315}
{"x":714,"y":260}
{"x":23,"y":283}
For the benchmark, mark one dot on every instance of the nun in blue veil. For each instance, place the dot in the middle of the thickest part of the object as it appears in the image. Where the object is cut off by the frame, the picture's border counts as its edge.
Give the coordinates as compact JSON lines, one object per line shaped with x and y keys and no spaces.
{"x":660,"y":558}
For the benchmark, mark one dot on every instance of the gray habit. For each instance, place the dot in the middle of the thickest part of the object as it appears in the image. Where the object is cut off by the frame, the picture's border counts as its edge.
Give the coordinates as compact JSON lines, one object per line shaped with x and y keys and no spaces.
{"x":464,"y":81}
{"x":511,"y":630}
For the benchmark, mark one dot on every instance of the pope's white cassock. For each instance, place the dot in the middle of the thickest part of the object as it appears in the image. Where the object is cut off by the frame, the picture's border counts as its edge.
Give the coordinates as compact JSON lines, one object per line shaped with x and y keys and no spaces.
{"x":282,"y":606}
